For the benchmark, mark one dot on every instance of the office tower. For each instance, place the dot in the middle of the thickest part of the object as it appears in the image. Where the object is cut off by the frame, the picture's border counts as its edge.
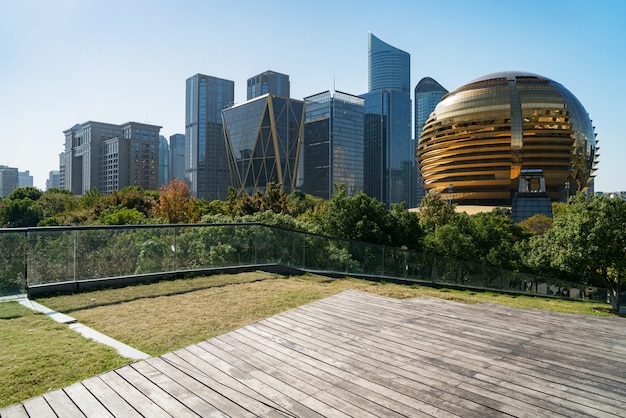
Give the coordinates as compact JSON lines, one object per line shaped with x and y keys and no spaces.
{"x":109,"y":157}
{"x":268,"y":82}
{"x":332,"y":145}
{"x":24,"y":179}
{"x":428,"y":92}
{"x":53,"y":180}
{"x":8,"y":180}
{"x":388,"y":147}
{"x":263,"y":138}
{"x":206,"y":168}
{"x":534,"y":137}
{"x":164,"y":161}
{"x":177,"y":157}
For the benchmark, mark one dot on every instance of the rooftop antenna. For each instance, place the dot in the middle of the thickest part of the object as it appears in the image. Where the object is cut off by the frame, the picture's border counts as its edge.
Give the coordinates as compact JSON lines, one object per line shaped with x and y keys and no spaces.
{"x":334,"y":83}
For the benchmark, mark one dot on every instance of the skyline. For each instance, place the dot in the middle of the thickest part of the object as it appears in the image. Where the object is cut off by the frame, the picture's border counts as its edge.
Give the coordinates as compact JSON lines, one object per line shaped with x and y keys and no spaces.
{"x":69,"y":61}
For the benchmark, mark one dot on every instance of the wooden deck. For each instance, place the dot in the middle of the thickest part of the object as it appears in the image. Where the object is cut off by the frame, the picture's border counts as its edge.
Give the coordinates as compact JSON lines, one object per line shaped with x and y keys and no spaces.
{"x":360,"y":355}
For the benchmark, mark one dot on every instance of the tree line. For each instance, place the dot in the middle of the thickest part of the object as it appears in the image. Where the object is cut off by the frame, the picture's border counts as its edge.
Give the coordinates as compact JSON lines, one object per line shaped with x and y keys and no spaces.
{"x":584,"y":242}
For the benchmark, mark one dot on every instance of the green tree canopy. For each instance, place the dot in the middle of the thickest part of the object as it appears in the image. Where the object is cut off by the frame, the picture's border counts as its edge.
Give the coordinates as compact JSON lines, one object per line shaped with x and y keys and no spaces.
{"x":588,"y":240}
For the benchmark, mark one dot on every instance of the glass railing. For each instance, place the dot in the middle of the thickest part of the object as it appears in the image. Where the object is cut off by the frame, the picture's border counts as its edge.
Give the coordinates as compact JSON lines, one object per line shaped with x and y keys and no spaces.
{"x":35,"y":257}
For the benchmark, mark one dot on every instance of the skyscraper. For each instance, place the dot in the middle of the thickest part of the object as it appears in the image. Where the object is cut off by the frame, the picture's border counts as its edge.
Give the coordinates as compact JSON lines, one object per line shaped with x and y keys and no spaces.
{"x":263,"y":138}
{"x":332,"y":144}
{"x":24,"y":179}
{"x":389,"y":154}
{"x":164,"y":161}
{"x":53,"y":180}
{"x":8,"y":180}
{"x":268,"y":82}
{"x":109,"y":157}
{"x":177,"y":157}
{"x":206,"y":168}
{"x":428,"y":92}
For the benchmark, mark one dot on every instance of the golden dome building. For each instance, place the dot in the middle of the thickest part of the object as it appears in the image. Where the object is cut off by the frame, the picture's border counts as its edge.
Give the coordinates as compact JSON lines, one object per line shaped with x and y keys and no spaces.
{"x":506,"y":133}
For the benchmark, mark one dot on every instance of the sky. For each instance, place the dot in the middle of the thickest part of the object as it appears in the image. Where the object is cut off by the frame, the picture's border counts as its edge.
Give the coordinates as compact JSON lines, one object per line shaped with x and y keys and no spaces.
{"x":64,"y":62}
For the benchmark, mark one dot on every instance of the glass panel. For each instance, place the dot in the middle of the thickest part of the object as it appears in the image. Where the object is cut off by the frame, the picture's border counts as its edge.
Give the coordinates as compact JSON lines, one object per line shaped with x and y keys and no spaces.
{"x":12,"y":263}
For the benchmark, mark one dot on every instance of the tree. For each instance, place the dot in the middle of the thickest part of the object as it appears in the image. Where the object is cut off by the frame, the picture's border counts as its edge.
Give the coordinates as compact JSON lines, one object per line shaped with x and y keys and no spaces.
{"x":176,"y":204}
{"x":434,"y":211}
{"x":359,"y":217}
{"x":588,"y":239}
{"x":537,"y":224}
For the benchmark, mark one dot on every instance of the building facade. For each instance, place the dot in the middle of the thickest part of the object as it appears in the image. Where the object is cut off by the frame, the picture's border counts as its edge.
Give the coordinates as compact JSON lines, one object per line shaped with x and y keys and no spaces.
{"x":483,"y":137}
{"x":164,"y":161}
{"x":268,"y":82}
{"x":8,"y":180}
{"x":263,"y":139}
{"x":53,"y":180}
{"x":332,"y":146}
{"x":388,"y":146}
{"x":24,"y":179}
{"x":109,"y":157}
{"x":428,"y":92}
{"x":177,"y":157}
{"x":206,"y":167}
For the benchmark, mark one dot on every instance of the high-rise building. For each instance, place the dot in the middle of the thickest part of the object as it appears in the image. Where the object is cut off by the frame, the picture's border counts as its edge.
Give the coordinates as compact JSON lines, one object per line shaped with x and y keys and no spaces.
{"x":177,"y":157}
{"x":206,"y":167}
{"x":428,"y":92}
{"x":389,"y":161}
{"x":109,"y":157}
{"x":8,"y":180}
{"x":53,"y":180}
{"x":506,"y":134}
{"x":24,"y":179}
{"x":164,"y":161}
{"x":268,"y":82}
{"x":332,"y":146}
{"x":263,"y":138}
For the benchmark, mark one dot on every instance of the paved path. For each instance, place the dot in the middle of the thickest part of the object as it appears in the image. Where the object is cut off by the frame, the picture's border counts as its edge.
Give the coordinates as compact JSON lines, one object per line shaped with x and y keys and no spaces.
{"x":361,"y":355}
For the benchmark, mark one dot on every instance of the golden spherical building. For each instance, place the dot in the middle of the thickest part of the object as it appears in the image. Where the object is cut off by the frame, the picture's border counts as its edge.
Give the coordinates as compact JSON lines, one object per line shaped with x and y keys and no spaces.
{"x":483,"y":136}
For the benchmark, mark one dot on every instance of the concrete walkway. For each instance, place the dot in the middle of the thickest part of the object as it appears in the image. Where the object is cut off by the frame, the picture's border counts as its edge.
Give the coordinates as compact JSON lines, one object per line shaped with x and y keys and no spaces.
{"x":123,"y":349}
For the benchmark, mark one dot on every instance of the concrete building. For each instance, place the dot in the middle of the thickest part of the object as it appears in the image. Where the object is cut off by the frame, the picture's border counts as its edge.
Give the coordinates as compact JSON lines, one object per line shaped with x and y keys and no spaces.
{"x":53,"y":180}
{"x":109,"y":157}
{"x":24,"y":179}
{"x":8,"y":180}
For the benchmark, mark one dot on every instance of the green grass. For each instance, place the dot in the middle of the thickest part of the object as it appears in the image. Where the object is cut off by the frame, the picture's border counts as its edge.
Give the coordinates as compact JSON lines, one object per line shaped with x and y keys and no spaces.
{"x":38,"y":355}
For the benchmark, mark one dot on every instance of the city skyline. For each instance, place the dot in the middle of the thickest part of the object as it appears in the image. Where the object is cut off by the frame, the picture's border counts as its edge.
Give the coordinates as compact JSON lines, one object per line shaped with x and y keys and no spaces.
{"x":67,"y":62}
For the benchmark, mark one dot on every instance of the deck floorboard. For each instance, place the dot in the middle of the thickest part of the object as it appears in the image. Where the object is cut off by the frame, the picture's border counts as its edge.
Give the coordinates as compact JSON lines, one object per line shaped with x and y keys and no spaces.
{"x":356,"y":354}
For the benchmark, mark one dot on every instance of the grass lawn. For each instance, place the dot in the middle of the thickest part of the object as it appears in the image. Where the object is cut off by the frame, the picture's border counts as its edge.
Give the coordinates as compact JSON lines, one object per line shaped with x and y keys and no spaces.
{"x":38,"y":355}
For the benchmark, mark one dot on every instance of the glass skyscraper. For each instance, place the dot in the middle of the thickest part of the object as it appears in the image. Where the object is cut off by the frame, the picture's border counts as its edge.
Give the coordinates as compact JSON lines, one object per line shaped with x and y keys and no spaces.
{"x":333,"y":144}
{"x":268,"y":82}
{"x":206,"y":168}
{"x":428,"y":92}
{"x":177,"y":157}
{"x":263,"y":139}
{"x":389,"y":152}
{"x":164,"y":161}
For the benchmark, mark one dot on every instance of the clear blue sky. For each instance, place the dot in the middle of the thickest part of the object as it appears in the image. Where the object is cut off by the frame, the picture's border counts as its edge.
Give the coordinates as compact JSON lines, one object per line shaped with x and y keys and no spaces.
{"x":64,"y":62}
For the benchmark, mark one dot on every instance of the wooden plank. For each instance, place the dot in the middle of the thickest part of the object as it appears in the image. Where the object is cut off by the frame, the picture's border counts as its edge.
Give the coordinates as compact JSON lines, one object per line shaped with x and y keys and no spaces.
{"x":273,"y":362}
{"x":173,"y":388}
{"x":155,"y":393}
{"x":287,"y":397}
{"x":62,"y":405}
{"x":14,"y":411}
{"x":140,"y":402}
{"x":86,"y":402}
{"x":224,"y":384}
{"x":209,"y":390}
{"x":38,"y":407}
{"x":110,"y":399}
